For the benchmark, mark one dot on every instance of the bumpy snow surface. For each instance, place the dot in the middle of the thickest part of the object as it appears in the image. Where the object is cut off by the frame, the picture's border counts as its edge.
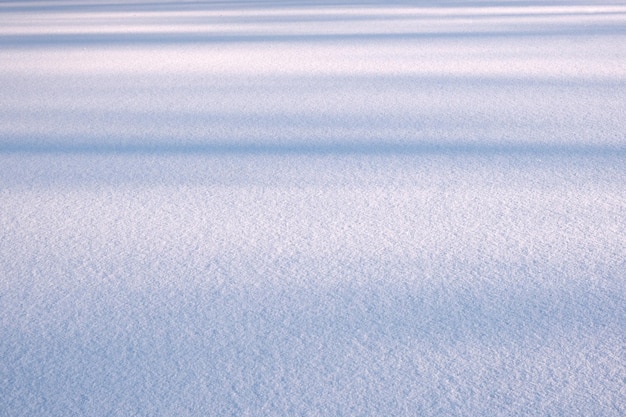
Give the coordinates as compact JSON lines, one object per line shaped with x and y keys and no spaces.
{"x":330,"y":208}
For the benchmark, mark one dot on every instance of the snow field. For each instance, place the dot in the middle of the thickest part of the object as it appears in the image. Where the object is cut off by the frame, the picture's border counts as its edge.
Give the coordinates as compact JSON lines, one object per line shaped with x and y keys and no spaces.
{"x":260,"y":208}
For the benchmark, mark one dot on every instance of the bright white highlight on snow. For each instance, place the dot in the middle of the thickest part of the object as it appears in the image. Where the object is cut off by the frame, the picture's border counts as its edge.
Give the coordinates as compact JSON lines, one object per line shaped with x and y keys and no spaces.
{"x":291,"y":208}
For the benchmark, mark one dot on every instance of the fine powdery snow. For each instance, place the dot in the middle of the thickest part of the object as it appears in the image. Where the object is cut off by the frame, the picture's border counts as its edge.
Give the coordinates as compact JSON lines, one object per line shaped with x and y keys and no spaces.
{"x":301,"y":208}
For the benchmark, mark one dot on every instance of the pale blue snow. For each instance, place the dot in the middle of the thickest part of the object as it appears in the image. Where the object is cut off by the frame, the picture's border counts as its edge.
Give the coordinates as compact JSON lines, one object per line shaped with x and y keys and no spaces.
{"x":312,"y":208}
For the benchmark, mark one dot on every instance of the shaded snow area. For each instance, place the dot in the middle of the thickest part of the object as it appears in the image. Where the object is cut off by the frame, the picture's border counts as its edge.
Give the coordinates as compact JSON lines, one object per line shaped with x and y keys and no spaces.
{"x":283,"y":208}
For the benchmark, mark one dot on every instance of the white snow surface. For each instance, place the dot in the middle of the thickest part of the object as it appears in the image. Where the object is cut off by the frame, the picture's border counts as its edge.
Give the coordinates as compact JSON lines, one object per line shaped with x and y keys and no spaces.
{"x":332,"y":208}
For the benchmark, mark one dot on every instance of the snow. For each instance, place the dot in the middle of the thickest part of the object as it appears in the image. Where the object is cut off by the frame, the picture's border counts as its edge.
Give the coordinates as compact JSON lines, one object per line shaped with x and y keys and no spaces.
{"x":303,"y":208}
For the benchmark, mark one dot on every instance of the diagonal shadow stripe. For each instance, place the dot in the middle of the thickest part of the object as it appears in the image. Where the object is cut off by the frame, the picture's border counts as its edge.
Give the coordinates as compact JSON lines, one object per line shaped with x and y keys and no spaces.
{"x":302,"y":148}
{"x":159,"y":38}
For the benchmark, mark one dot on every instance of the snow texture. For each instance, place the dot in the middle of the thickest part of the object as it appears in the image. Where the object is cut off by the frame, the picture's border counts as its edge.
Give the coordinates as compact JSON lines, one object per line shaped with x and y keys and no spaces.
{"x":277,"y":207}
